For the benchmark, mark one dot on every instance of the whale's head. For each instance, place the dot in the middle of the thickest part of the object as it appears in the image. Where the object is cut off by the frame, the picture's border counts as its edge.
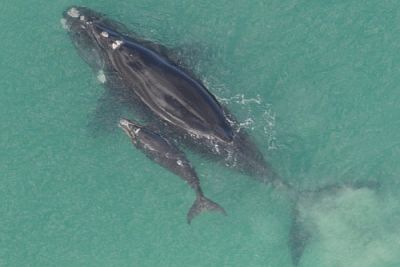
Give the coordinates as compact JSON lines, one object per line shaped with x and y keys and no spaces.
{"x":130,"y":128}
{"x":92,"y":34}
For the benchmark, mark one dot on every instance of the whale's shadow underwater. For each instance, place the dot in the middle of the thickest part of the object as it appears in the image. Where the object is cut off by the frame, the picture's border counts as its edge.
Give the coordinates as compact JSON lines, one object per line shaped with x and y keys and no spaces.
{"x":177,"y":109}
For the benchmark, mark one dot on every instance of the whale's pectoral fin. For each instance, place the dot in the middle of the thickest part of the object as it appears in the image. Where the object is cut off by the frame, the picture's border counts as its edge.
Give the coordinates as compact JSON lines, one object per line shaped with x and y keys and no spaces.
{"x":299,"y":237}
{"x":300,"y":232}
{"x":202,"y":204}
{"x":105,"y":116}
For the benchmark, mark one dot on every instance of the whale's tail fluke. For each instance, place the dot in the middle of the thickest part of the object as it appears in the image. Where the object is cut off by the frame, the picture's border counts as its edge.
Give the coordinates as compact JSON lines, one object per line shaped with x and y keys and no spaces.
{"x":299,"y":236}
{"x":202,"y":204}
{"x":301,"y":231}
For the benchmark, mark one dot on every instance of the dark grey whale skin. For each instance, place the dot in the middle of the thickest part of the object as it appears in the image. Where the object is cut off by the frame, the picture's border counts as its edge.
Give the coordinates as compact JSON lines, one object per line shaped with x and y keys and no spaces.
{"x":160,"y":150}
{"x":168,"y":155}
{"x":147,"y":77}
{"x":163,"y":90}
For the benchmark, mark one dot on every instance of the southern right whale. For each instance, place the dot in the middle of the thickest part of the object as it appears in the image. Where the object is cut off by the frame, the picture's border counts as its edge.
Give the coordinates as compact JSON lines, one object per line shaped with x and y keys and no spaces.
{"x":165,"y":91}
{"x":149,"y":78}
{"x":166,"y":154}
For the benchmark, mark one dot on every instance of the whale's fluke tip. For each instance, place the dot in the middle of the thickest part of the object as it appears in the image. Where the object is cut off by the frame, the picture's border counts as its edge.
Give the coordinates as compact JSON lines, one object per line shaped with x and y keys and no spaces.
{"x":202,"y":204}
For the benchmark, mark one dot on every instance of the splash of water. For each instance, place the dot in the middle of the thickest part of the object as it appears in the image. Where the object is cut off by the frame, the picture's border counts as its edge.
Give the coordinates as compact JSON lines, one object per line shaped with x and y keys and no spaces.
{"x":247,"y":106}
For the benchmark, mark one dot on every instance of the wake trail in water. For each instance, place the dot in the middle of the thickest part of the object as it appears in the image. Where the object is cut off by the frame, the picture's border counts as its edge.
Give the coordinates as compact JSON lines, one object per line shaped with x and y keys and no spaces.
{"x":301,"y":230}
{"x":250,"y":122}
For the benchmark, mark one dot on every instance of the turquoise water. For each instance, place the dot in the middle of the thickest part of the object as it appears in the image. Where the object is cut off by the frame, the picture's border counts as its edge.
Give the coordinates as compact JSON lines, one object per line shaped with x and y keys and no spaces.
{"x":315,"y":82}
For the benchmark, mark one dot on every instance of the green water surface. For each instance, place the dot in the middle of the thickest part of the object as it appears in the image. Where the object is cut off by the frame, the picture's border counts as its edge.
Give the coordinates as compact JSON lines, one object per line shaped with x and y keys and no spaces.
{"x":317,"y":84}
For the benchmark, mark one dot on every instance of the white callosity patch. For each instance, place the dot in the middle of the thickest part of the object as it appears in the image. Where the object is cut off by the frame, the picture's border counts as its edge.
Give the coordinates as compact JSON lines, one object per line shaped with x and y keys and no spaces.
{"x":216,"y":148}
{"x":82,"y":18}
{"x":179,"y":162}
{"x":104,"y":34}
{"x":116,"y":44}
{"x":101,"y":76}
{"x":124,"y":122}
{"x":73,"y":12}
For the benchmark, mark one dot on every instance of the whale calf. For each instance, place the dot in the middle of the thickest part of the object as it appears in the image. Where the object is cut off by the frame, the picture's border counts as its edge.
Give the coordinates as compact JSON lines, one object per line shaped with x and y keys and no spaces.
{"x":164,"y":91}
{"x":151,"y":80}
{"x":166,"y":154}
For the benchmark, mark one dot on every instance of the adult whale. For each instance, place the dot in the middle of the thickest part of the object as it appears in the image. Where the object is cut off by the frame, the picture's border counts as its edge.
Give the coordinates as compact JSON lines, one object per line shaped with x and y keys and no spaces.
{"x":164,"y":90}
{"x":163,"y":87}
{"x":146,"y":74}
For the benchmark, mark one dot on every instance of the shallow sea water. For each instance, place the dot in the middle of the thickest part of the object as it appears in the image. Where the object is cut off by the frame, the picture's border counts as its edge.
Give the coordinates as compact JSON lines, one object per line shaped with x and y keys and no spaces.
{"x":316,"y":83}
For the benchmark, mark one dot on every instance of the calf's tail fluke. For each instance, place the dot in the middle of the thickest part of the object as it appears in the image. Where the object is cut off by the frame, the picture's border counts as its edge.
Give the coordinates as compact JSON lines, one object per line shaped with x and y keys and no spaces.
{"x":202,"y":204}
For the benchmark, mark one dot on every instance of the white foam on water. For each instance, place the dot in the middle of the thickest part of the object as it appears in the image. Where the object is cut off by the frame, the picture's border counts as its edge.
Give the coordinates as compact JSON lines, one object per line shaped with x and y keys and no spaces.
{"x":248,"y":105}
{"x":241,"y":99}
{"x":64,"y":24}
{"x":247,"y":124}
{"x":268,"y":124}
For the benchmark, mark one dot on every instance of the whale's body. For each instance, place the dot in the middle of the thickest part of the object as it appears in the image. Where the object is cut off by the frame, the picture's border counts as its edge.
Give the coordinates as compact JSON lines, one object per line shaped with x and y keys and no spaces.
{"x":179,"y":106}
{"x":168,"y":94}
{"x":168,"y":155}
